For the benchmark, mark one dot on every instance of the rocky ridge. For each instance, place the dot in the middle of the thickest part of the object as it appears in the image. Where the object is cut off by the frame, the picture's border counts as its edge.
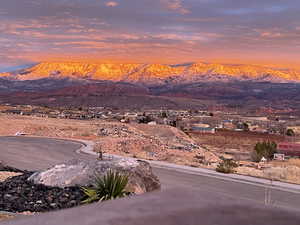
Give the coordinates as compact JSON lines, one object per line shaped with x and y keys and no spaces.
{"x":154,"y":74}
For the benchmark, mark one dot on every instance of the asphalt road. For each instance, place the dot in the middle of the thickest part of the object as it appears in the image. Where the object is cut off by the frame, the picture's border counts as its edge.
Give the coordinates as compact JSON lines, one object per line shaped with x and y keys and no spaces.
{"x":30,"y":153}
{"x":241,"y":191}
{"x":40,"y":153}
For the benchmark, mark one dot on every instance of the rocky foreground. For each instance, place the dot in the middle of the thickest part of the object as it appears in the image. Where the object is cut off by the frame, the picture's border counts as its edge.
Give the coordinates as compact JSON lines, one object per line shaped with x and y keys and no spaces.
{"x":17,"y":194}
{"x":59,"y":187}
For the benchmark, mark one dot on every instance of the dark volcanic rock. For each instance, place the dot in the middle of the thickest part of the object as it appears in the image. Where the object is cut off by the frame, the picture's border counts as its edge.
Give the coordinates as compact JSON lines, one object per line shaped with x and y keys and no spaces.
{"x":75,"y":172}
{"x":17,"y":194}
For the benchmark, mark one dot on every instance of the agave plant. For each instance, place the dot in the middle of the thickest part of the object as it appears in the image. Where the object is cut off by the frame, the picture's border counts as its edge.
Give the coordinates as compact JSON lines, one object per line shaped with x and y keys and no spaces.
{"x":110,"y":186}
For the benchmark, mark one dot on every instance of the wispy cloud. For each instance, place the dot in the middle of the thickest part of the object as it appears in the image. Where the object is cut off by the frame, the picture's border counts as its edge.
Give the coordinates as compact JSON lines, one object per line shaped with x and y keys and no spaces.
{"x":111,"y":4}
{"x":150,"y":30}
{"x":175,"y":5}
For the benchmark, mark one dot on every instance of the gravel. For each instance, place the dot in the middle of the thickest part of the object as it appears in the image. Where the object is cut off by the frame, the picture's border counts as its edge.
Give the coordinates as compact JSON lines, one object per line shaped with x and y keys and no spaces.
{"x":19,"y":195}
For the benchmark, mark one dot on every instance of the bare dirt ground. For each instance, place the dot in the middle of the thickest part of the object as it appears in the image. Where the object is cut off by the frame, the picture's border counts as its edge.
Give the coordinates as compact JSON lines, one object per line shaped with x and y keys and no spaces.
{"x":5,"y":217}
{"x":158,"y":142}
{"x":235,"y":143}
{"x":239,"y":145}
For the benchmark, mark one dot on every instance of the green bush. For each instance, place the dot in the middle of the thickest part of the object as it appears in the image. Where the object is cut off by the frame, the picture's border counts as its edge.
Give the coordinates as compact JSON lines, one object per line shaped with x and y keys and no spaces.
{"x":226,"y":166}
{"x":110,"y":186}
{"x":264,"y":149}
{"x":290,"y":132}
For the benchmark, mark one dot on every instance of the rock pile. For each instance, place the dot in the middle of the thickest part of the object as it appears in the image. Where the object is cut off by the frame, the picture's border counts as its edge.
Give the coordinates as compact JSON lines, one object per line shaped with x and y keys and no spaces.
{"x":60,"y":186}
{"x":143,"y":141}
{"x":18,"y":194}
{"x":115,"y":130}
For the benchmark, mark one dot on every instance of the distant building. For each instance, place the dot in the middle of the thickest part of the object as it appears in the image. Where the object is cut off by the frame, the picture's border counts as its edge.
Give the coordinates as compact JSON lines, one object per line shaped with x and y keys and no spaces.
{"x":203,"y":129}
{"x":289,"y":149}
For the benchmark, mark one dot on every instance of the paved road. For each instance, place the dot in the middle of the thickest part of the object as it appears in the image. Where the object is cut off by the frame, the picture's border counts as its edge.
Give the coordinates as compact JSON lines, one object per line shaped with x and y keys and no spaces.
{"x":32,"y":153}
{"x":242,"y":191}
{"x":40,"y":153}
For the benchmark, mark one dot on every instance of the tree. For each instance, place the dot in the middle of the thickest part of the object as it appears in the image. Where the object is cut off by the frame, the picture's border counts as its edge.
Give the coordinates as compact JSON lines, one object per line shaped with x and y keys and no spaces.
{"x":245,"y":127}
{"x":290,"y":132}
{"x":164,"y":114}
{"x":264,"y":149}
{"x":144,"y":118}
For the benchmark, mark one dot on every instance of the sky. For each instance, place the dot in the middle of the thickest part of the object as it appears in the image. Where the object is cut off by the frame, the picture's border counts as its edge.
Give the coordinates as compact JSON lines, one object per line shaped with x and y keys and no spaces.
{"x":264,"y":32}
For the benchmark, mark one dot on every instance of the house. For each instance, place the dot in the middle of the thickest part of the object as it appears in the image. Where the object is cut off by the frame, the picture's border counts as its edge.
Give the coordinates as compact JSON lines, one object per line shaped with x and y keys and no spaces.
{"x":228,"y":124}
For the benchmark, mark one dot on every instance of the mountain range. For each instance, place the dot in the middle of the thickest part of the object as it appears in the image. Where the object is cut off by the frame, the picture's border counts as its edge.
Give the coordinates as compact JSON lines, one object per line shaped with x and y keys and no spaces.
{"x":190,"y":85}
{"x":154,"y":74}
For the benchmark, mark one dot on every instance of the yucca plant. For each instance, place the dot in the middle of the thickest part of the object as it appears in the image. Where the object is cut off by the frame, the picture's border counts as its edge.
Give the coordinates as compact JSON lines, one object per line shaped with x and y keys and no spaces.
{"x":110,"y":186}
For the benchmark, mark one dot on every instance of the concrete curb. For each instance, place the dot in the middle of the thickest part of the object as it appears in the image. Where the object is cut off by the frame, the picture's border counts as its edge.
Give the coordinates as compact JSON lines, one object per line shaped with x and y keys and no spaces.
{"x":277,"y":185}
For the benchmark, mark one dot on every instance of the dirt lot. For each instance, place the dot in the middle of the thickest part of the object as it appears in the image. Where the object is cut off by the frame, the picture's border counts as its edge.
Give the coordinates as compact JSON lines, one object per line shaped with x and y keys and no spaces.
{"x":236,"y":143}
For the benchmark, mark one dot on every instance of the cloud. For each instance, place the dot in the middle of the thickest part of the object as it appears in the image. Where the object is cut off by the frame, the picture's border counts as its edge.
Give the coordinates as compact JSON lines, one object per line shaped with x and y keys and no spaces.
{"x":175,"y":5}
{"x":111,"y":4}
{"x":150,"y":30}
{"x":271,"y":34}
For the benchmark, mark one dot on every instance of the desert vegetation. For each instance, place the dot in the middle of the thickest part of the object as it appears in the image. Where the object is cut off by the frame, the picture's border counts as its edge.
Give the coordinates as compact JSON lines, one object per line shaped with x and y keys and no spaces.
{"x":226,"y":166}
{"x":239,"y":142}
{"x":111,"y":186}
{"x":265,"y":149}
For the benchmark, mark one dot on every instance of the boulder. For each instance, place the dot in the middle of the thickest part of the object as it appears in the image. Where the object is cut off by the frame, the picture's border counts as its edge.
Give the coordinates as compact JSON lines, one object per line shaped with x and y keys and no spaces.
{"x":82,"y":173}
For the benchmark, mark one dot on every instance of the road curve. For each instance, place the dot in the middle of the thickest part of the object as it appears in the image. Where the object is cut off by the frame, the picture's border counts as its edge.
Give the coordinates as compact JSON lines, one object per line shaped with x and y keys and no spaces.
{"x":32,"y":153}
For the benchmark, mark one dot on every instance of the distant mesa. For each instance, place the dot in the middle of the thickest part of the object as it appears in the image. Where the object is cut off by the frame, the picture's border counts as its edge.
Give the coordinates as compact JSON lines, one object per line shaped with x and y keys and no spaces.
{"x":154,"y":74}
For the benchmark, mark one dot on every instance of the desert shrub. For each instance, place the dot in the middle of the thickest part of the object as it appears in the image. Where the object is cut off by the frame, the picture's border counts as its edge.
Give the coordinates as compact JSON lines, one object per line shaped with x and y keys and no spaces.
{"x":99,"y":150}
{"x":264,"y":149}
{"x":144,"y":119}
{"x":245,"y":127}
{"x":164,"y":115}
{"x":110,"y":186}
{"x":226,"y":166}
{"x":290,"y":132}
